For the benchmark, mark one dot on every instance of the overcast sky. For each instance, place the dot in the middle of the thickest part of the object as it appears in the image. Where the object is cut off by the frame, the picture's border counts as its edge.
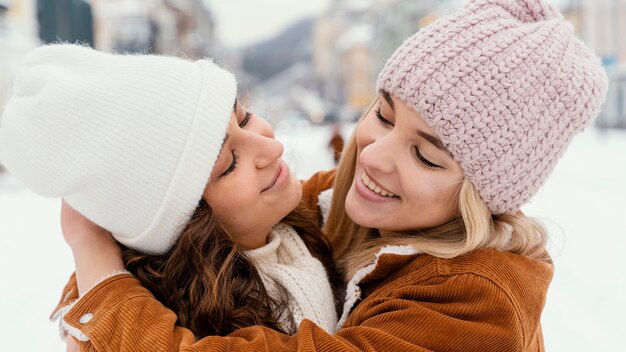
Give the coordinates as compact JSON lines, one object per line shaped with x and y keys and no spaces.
{"x":241,"y":22}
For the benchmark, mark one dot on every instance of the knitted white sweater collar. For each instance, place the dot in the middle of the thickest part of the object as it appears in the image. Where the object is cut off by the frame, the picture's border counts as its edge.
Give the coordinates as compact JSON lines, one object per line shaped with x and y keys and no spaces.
{"x":287,"y":267}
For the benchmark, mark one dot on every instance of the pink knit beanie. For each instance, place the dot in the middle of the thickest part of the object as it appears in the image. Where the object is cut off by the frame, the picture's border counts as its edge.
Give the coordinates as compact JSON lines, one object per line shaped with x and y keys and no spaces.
{"x":505,"y":85}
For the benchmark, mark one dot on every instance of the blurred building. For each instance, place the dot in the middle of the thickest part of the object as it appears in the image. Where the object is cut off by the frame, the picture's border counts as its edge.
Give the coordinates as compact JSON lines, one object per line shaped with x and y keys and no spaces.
{"x":353,"y":39}
{"x":604,"y":28}
{"x":65,"y":20}
{"x":357,"y":65}
{"x":173,"y":27}
{"x":18,"y":34}
{"x":342,"y":55}
{"x":602,"y":25}
{"x":21,"y":16}
{"x":185,"y":25}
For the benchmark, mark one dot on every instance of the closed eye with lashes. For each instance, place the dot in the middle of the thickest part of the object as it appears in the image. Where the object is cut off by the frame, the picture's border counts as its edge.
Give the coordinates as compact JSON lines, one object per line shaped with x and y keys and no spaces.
{"x":246,"y":119}
{"x":423,"y":160}
{"x":383,"y":121}
{"x":233,"y":164}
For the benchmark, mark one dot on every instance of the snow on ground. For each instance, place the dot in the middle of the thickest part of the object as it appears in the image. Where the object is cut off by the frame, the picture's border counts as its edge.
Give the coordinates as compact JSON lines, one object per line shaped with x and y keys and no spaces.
{"x":584,"y":205}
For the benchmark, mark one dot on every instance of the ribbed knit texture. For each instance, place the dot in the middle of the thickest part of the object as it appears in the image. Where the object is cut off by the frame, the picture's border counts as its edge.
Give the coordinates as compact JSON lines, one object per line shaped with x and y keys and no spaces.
{"x":129,"y":141}
{"x":505,"y":85}
{"x":290,"y":272}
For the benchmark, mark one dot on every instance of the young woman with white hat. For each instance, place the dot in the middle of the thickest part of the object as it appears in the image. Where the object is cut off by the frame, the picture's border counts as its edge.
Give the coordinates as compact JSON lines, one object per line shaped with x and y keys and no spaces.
{"x":158,"y":153}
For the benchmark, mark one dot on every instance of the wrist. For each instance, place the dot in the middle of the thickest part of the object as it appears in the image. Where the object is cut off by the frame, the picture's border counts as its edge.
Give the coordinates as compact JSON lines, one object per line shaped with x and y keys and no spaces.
{"x":94,"y":257}
{"x":92,"y":241}
{"x":91,"y":268}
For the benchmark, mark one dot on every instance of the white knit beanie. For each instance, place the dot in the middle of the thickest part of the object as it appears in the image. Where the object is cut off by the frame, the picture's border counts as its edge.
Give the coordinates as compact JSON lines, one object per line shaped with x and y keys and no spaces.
{"x":129,"y":141}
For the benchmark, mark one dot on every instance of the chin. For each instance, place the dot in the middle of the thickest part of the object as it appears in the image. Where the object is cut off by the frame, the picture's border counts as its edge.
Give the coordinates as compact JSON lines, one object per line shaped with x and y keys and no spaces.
{"x":357,"y":213}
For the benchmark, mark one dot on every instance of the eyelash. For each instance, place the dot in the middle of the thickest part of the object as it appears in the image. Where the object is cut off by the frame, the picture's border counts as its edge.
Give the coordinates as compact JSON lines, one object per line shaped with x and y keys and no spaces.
{"x":424,"y":161}
{"x":233,"y":165}
{"x":246,"y":119}
{"x":383,"y":121}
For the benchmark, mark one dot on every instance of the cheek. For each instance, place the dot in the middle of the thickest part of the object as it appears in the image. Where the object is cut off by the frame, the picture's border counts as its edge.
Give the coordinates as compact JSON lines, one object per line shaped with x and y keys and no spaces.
{"x":433,"y":193}
{"x":365,"y":133}
{"x":225,"y":213}
{"x":229,"y":210}
{"x":234,"y":217}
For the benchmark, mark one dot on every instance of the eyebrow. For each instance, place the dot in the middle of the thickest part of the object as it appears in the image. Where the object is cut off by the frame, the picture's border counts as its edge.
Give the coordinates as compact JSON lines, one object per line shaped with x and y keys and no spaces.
{"x":432,"y":139}
{"x":235,"y":106}
{"x":387,"y":97}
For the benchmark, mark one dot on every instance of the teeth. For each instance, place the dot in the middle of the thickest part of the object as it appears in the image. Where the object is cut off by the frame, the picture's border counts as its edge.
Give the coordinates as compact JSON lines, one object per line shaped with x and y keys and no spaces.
{"x":376,"y":188}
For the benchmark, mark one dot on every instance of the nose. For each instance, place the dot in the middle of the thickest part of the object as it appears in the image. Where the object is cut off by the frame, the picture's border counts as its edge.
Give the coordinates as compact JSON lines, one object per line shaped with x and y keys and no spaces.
{"x":269,"y":150}
{"x":380,"y":154}
{"x":264,"y":146}
{"x":264,"y":128}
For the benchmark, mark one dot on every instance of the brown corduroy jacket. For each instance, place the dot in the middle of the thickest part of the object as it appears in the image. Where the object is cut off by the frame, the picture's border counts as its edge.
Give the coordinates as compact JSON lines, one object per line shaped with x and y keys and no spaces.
{"x":405,"y":301}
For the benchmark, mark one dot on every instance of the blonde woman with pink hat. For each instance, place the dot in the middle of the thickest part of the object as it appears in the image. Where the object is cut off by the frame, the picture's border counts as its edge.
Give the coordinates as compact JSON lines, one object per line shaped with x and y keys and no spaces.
{"x":424,"y":219}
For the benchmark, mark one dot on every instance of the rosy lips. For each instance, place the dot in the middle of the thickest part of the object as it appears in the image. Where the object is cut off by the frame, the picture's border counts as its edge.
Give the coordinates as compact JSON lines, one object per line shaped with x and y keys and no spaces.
{"x":282,"y":169}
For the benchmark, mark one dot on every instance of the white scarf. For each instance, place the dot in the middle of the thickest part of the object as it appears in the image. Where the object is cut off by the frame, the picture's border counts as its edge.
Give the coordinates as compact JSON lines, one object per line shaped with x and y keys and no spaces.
{"x":287,"y":267}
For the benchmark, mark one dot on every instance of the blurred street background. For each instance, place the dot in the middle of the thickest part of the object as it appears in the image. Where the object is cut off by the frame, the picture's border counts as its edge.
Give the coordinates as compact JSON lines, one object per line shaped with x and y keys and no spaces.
{"x":309,"y":67}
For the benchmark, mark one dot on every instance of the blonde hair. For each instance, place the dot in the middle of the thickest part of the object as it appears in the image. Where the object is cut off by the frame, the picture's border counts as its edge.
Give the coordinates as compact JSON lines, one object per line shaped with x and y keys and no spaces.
{"x":475,"y":227}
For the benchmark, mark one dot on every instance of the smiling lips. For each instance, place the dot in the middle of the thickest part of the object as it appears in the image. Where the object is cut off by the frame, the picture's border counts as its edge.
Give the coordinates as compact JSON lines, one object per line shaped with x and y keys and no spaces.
{"x":375,"y":187}
{"x":281,"y":168}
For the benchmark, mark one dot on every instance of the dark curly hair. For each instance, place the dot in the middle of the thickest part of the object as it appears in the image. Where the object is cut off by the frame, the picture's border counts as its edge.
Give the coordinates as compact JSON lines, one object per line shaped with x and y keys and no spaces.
{"x":208,"y":281}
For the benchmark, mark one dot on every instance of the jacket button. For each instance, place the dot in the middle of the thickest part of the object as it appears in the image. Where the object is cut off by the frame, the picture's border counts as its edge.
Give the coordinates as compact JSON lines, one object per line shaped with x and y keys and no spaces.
{"x":85,"y":318}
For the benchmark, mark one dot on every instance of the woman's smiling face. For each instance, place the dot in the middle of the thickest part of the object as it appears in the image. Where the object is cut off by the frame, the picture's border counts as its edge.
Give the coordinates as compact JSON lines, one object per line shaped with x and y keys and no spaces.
{"x":251,"y":188}
{"x":404,"y":178}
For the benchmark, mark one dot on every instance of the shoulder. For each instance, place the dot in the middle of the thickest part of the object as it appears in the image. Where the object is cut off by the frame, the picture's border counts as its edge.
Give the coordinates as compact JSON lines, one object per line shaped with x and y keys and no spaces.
{"x":502,"y":268}
{"x":510,"y":271}
{"x":488,"y":286}
{"x":314,"y":186}
{"x":476,"y":299}
{"x":318,"y":183}
{"x":517,"y":276}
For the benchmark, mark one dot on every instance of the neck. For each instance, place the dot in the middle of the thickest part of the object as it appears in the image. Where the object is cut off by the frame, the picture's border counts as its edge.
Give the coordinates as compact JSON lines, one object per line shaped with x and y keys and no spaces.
{"x":254,"y":240}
